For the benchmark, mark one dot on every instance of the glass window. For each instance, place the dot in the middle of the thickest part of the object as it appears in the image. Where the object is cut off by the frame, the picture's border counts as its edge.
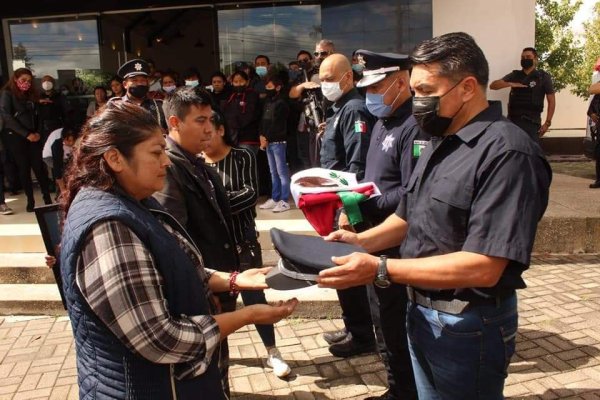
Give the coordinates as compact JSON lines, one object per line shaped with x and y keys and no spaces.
{"x":277,"y":32}
{"x":377,"y":25}
{"x":64,"y":49}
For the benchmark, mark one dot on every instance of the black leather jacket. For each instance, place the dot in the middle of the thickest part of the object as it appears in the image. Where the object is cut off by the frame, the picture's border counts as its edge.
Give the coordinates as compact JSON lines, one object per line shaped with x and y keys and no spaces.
{"x":19,"y":115}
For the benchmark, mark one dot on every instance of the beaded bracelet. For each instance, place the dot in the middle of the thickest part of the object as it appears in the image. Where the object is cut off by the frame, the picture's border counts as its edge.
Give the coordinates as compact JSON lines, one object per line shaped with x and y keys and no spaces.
{"x":233,"y":289}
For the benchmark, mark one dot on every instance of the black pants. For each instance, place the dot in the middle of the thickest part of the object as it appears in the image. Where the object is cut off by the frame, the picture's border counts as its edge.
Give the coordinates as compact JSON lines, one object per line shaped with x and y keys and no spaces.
{"x":28,"y":156}
{"x":356,"y":313}
{"x":388,"y":310}
{"x":529,"y":125}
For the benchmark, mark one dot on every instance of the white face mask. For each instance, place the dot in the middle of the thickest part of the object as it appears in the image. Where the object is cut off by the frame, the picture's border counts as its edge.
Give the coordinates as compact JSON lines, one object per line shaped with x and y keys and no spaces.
{"x":47,"y":85}
{"x":191,"y":83}
{"x":169,"y":89}
{"x":332,"y":90}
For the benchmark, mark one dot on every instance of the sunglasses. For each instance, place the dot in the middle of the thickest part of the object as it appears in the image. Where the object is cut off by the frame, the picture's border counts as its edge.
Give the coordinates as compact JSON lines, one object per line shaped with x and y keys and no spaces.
{"x":321,"y":53}
{"x":304,"y":60}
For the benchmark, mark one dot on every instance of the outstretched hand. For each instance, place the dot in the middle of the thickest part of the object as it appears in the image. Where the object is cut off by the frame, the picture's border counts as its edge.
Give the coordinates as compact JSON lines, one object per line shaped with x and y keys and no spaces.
{"x":265,"y":314}
{"x":252,"y":279}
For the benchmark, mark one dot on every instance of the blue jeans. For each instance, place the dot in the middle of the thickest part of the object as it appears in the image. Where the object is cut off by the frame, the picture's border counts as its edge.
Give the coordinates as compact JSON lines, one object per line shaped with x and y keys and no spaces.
{"x":463,"y":356}
{"x":280,"y":173}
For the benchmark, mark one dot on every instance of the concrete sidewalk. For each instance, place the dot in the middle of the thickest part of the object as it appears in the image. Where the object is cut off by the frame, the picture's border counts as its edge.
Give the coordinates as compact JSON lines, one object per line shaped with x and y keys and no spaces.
{"x":557,"y":356}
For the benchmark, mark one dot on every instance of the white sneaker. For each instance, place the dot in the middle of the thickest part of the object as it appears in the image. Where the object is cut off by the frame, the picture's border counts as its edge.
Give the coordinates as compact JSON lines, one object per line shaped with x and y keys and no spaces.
{"x":281,"y":206}
{"x":267,"y":205}
{"x":4,"y":209}
{"x":275,"y":361}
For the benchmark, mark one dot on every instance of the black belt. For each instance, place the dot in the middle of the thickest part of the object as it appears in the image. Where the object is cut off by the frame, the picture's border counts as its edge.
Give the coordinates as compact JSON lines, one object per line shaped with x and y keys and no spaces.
{"x":441,"y":302}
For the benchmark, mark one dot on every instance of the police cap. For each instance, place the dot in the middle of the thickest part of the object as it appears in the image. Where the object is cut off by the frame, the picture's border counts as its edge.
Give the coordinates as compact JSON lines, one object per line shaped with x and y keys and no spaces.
{"x":134,"y":68}
{"x":302,"y":257}
{"x":378,"y":65}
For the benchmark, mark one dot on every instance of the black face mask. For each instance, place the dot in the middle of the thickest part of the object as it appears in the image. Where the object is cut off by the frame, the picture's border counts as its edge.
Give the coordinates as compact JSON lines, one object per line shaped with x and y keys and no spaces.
{"x":239,"y":89}
{"x":271,"y":93}
{"x":138,"y":91}
{"x":425,"y":110}
{"x":526,"y":63}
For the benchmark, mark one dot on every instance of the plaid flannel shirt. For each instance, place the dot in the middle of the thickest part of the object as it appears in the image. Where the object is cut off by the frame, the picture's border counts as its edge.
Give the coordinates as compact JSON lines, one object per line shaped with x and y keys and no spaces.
{"x":118,"y":279}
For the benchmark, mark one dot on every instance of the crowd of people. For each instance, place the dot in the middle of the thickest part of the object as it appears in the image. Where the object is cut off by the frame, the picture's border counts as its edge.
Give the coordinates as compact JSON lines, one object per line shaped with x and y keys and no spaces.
{"x":159,"y":192}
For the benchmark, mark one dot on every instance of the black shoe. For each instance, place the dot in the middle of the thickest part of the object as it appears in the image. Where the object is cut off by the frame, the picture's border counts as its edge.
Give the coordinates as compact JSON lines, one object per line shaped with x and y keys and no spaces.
{"x":595,"y":185}
{"x":350,"y":347}
{"x":30,"y":207}
{"x":386,"y":396}
{"x":335,"y":336}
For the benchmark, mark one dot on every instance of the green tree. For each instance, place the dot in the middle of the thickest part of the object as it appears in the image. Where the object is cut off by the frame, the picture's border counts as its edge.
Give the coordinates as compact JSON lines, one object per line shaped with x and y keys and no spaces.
{"x":591,"y":52}
{"x":559,"y":52}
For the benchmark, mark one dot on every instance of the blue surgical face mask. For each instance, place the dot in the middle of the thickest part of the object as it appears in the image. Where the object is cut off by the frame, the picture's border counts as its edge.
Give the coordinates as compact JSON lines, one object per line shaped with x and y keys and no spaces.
{"x":376,"y":105}
{"x":358,"y":68}
{"x":261,"y":71}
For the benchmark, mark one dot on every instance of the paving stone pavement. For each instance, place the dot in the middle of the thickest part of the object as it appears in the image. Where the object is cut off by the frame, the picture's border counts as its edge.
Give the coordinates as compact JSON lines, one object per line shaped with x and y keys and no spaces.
{"x":557,"y":355}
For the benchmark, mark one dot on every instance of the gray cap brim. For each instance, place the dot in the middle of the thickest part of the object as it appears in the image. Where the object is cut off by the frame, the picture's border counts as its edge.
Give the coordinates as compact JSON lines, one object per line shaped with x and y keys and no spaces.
{"x":277,"y":280}
{"x":370,"y":80}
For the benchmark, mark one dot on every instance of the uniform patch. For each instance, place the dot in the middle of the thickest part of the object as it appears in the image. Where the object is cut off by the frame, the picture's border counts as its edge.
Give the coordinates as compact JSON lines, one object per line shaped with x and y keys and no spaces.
{"x":387,"y":143}
{"x":360,"y":126}
{"x":418,"y":146}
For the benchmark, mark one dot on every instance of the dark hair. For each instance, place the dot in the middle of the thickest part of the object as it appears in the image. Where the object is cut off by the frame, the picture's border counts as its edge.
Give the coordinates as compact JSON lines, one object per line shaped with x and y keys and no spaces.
{"x":68,"y":132}
{"x":11,"y":85}
{"x":218,"y":120}
{"x":531,"y":49}
{"x":293,"y":63}
{"x":304,"y":52}
{"x":262,"y":56}
{"x":119,"y":125}
{"x":170,"y":74}
{"x":183,"y":98}
{"x":100,"y":87}
{"x":240,"y":73}
{"x":458,"y":55}
{"x":220,"y":75}
{"x":191,"y":72}
{"x":275,"y":79}
{"x":116,"y":78}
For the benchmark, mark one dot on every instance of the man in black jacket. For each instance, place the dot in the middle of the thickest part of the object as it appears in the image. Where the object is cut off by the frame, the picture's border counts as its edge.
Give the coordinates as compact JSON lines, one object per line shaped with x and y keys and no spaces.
{"x":193,"y":193}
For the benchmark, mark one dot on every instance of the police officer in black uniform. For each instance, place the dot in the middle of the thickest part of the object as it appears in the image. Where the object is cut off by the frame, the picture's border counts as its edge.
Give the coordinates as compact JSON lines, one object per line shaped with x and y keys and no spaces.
{"x":135,"y":75}
{"x":396,"y":144}
{"x":466,"y":236}
{"x":344,"y":147}
{"x":528,"y":87}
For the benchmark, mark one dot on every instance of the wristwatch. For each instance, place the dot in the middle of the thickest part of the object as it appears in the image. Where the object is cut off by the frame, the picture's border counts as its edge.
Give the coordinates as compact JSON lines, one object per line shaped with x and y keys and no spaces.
{"x":382,"y":279}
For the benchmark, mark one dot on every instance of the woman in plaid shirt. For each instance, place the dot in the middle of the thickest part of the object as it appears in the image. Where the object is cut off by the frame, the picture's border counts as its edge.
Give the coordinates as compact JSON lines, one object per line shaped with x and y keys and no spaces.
{"x":139,"y":298}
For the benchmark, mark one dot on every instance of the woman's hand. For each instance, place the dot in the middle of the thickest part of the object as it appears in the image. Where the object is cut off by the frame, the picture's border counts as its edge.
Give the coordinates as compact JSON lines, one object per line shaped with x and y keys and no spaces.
{"x":265,"y":314}
{"x":252,"y":279}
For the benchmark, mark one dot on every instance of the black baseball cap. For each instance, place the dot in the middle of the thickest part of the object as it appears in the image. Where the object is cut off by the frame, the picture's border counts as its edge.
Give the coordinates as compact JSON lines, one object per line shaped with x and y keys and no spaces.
{"x":302,"y":258}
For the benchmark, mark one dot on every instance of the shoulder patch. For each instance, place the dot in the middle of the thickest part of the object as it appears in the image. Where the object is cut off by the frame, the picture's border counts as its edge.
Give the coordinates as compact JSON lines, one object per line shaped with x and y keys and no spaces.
{"x":418,"y":146}
{"x":360,"y":126}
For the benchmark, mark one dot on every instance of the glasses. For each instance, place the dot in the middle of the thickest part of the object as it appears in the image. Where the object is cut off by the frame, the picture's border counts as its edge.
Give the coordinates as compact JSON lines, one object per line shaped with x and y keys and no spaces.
{"x":304,"y":60}
{"x":321,"y":53}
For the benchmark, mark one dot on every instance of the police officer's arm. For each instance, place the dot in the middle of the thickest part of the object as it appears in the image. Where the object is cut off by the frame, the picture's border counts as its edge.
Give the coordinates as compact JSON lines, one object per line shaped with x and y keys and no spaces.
{"x":499,"y":229}
{"x":505,"y":82}
{"x":356,"y":126}
{"x":551,"y":98}
{"x":390,"y":233}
